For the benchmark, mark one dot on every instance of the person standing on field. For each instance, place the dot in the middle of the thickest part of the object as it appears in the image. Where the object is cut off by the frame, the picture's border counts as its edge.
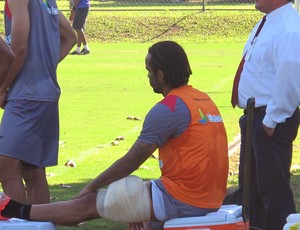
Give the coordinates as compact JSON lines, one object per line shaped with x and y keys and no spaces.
{"x":270,"y":73}
{"x":79,"y":15}
{"x":40,"y":37}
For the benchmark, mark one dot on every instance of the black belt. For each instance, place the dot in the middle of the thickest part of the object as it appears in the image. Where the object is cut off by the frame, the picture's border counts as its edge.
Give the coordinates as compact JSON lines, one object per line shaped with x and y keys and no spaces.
{"x":257,"y":109}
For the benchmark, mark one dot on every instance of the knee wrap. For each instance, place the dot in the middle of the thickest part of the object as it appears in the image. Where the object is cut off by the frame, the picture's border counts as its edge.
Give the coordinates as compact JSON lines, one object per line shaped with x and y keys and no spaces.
{"x":126,"y":200}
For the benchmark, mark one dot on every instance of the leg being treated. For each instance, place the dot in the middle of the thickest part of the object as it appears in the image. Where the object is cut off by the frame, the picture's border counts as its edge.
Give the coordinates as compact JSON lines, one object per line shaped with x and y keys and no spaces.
{"x":126,"y":200}
{"x":62,"y":213}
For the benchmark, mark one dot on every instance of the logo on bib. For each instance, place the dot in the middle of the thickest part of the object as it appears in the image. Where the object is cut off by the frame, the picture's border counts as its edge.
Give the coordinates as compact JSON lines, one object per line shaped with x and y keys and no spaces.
{"x":203,"y":119}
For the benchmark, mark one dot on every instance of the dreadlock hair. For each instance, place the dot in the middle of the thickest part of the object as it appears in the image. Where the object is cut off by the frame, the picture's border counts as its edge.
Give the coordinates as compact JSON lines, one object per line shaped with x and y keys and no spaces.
{"x":170,"y":58}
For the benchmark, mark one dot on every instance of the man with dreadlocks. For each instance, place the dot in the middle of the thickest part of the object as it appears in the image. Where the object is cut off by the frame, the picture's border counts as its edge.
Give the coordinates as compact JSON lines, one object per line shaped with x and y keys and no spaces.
{"x":187,"y":129}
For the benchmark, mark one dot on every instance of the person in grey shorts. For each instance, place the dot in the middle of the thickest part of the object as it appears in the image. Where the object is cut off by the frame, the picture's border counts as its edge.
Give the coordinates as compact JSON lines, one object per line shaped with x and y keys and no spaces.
{"x":79,"y":13}
{"x":29,"y":94}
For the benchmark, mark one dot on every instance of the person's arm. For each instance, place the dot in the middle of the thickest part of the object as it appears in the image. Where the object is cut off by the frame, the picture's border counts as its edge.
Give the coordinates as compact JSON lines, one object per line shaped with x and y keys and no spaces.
{"x":75,"y":4}
{"x":67,"y":36}
{"x":19,"y":40}
{"x":6,"y":58}
{"x":286,"y":85}
{"x":155,"y":131}
{"x":123,"y":167}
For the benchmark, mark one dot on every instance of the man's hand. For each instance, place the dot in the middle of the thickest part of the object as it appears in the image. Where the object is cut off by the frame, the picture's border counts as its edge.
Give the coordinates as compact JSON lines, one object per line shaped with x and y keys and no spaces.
{"x":269,"y":131}
{"x":135,"y":226}
{"x":87,"y":189}
{"x":3,"y":95}
{"x":71,"y":17}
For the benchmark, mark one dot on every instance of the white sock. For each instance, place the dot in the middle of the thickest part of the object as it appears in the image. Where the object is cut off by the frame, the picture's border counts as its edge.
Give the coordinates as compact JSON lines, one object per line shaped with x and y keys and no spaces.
{"x":86,"y":47}
{"x":78,"y":49}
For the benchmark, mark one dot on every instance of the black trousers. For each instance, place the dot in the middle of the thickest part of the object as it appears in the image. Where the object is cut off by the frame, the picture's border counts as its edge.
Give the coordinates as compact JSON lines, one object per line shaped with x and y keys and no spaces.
{"x":271,"y":197}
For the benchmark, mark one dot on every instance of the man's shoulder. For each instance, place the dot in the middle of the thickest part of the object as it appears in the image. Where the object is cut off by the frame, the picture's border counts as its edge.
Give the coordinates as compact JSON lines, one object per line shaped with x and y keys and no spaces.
{"x":169,"y":101}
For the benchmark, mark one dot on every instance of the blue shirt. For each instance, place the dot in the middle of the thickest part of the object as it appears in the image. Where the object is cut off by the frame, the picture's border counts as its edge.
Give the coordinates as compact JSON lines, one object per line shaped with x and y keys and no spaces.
{"x":83,"y":4}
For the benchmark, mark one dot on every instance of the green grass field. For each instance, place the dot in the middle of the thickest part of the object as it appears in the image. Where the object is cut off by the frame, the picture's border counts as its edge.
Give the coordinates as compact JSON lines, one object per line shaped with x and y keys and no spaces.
{"x":100,"y":90}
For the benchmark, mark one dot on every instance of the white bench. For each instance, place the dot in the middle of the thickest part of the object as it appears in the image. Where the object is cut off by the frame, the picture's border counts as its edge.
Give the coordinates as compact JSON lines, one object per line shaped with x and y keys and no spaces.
{"x":227,"y":217}
{"x":293,"y":222}
{"x":16,"y":224}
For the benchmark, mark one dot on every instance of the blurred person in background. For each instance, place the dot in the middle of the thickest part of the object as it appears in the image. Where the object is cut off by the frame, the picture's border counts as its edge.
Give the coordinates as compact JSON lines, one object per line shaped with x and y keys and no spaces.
{"x":79,"y":13}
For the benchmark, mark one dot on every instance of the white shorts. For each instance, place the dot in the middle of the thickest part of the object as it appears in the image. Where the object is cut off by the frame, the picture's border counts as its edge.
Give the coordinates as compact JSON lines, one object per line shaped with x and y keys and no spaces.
{"x":166,"y":207}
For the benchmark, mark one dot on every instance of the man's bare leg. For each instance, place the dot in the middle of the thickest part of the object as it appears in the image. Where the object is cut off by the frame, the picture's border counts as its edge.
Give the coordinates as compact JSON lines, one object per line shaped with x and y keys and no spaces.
{"x":11,"y":178}
{"x":81,"y":37}
{"x":37,"y":189}
{"x":67,"y":212}
{"x":84,"y":208}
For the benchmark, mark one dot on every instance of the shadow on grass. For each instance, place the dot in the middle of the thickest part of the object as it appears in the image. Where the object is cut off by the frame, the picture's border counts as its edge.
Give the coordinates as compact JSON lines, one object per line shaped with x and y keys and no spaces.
{"x":95,"y":224}
{"x":61,"y":192}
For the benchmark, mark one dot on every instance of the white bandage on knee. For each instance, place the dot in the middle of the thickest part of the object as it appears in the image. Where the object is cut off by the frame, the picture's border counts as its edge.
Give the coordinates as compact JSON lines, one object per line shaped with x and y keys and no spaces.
{"x":126,"y":200}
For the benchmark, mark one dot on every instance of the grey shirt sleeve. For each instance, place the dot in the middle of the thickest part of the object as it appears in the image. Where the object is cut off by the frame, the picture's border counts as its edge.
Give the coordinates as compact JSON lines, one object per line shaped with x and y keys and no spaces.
{"x":165,"y":121}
